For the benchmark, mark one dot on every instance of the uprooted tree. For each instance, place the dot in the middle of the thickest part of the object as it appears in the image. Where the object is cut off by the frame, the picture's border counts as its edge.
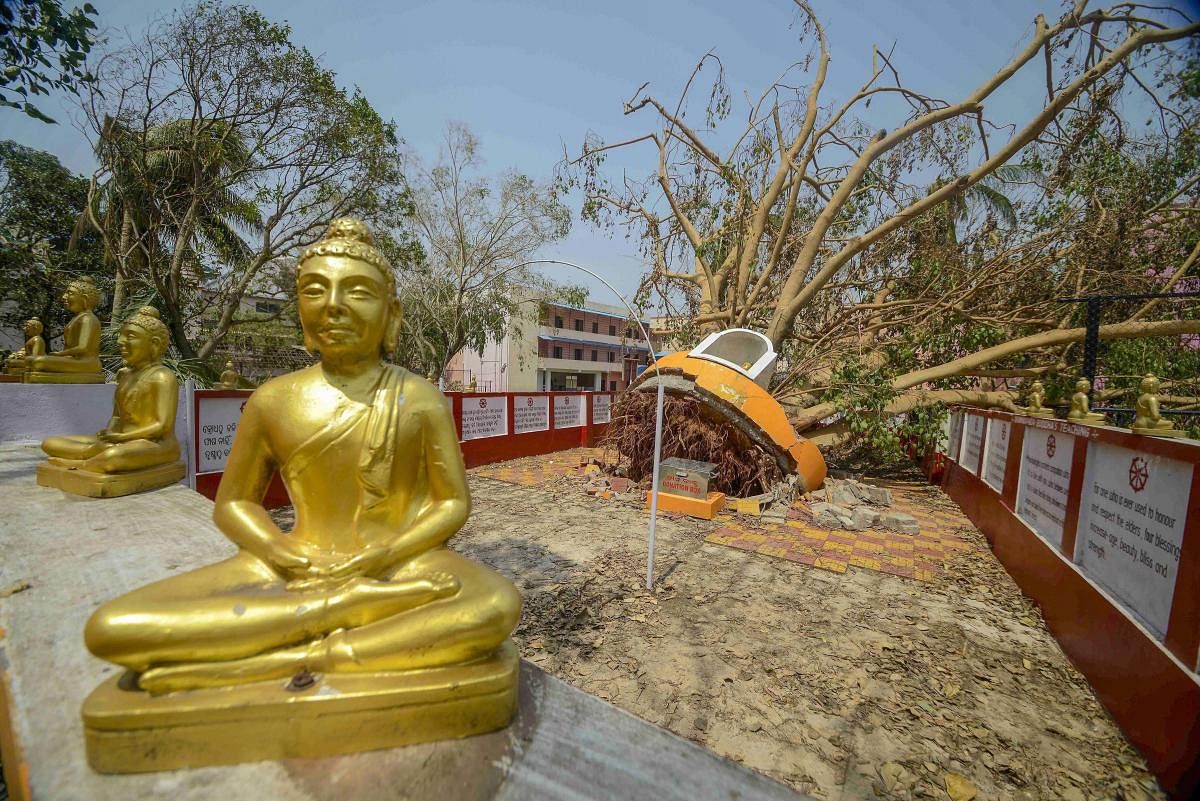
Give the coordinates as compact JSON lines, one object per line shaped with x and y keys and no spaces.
{"x":900,"y":268}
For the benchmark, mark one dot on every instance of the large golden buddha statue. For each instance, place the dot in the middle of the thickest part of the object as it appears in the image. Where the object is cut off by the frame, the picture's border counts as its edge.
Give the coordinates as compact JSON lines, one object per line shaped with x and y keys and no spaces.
{"x":35,"y":346}
{"x":137,"y":450}
{"x":358,"y":629}
{"x":79,"y":360}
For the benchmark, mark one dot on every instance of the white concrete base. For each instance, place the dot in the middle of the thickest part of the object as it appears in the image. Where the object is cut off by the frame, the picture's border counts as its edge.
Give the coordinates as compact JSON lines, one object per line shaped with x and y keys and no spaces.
{"x":75,"y":553}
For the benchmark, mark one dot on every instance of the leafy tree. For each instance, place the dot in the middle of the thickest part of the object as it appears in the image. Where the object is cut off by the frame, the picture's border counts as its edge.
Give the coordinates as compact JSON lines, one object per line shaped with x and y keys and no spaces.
{"x":475,"y":232}
{"x":856,"y":247}
{"x":224,"y":148}
{"x":43,"y":48}
{"x":39,"y":202}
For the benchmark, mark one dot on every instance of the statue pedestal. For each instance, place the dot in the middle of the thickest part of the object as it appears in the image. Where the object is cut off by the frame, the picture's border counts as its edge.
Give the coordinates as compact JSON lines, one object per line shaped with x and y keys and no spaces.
{"x":64,"y":378}
{"x":128,"y":731}
{"x":1160,"y":432}
{"x":12,"y":378}
{"x":71,"y":477}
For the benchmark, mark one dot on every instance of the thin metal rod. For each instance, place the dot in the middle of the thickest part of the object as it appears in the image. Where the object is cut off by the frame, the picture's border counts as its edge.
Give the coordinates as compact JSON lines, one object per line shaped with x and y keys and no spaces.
{"x":658,"y":418}
{"x":658,"y":423}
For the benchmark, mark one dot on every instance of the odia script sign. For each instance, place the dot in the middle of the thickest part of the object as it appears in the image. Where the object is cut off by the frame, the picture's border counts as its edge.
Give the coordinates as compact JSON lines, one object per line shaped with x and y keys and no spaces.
{"x":484,"y":416}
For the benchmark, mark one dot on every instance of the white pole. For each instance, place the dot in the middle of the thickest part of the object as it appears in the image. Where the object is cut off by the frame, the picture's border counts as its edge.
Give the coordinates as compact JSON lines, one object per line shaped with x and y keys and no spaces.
{"x":658,"y":421}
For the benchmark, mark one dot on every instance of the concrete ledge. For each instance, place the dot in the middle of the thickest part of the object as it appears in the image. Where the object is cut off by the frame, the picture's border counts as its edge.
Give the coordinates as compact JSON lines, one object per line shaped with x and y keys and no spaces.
{"x":75,"y":553}
{"x":33,"y":412}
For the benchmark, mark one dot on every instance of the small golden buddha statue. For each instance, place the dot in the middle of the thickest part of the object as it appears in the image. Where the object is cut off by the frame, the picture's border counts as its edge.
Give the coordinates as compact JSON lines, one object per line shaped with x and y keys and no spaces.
{"x":229,"y":378}
{"x":1079,"y":406}
{"x":1037,"y":394}
{"x":1148,"y":420}
{"x":79,"y":360}
{"x":359,"y":628}
{"x":474,"y":386}
{"x":137,"y":450}
{"x":34,"y":346}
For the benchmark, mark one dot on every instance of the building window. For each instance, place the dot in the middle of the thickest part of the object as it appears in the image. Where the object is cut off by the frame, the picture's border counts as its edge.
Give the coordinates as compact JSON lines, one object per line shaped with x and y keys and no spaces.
{"x":612,"y":330}
{"x":558,"y":351}
{"x":579,"y":325}
{"x":557,"y":321}
{"x":595,"y":328}
{"x":594,"y":356}
{"x":579,"y":354}
{"x":612,"y":385}
{"x":612,"y":357}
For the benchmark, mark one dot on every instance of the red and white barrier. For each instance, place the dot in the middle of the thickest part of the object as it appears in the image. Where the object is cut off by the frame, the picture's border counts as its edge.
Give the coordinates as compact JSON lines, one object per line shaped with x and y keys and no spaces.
{"x":1102,"y":528}
{"x":492,"y":427}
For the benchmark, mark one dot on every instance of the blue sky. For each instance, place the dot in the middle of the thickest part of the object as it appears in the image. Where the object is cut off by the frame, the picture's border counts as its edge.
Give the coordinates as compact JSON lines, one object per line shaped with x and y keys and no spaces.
{"x":529,"y":77}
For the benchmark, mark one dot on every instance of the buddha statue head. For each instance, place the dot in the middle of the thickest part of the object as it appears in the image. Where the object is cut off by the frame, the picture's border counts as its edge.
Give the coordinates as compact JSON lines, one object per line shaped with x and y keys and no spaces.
{"x":1083,"y":385}
{"x":1150,"y":385}
{"x":33,"y":327}
{"x":81,"y":295}
{"x":347,"y":294}
{"x":144,"y":338}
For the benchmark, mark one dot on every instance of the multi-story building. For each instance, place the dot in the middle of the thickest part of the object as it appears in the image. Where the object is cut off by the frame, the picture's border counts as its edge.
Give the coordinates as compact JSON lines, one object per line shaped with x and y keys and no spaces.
{"x":597,"y":347}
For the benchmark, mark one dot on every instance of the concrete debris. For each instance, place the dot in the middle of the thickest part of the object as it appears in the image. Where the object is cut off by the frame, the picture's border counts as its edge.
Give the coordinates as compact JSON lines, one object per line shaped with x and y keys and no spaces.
{"x":853,"y":505}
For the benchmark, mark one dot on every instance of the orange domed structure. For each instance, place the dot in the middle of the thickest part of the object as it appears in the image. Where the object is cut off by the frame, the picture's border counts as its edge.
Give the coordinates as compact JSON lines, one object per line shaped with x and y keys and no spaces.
{"x":729,"y":372}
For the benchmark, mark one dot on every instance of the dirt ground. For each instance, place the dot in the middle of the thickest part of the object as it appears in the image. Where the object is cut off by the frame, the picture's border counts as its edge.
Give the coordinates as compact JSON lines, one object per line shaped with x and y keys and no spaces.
{"x":853,"y":686}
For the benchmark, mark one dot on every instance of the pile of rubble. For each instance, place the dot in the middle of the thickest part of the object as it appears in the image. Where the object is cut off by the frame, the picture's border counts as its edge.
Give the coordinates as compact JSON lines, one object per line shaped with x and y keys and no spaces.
{"x":852,"y":505}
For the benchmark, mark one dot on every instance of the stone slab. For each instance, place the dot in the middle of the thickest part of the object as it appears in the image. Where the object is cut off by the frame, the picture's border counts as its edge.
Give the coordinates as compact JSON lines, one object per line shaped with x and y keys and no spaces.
{"x":77,"y":552}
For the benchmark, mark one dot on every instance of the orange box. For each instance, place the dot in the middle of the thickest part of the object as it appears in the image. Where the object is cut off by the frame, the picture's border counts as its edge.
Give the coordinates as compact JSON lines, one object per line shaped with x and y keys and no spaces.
{"x":706,"y":508}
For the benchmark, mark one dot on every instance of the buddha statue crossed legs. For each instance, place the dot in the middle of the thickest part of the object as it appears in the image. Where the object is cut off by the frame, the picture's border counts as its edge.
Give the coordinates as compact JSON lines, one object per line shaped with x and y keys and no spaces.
{"x":15,"y":364}
{"x":137,"y":449}
{"x":79,"y":360}
{"x":363,"y":584}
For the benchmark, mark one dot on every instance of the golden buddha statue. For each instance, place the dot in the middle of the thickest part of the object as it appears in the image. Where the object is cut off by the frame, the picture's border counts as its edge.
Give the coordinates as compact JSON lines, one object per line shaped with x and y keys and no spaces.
{"x":79,"y":360}
{"x":1079,"y":406}
{"x":1148,"y":420}
{"x":229,"y":378}
{"x":361,"y":607}
{"x":137,"y":450}
{"x":1037,"y":393}
{"x":35,"y":346}
{"x":473,"y":386}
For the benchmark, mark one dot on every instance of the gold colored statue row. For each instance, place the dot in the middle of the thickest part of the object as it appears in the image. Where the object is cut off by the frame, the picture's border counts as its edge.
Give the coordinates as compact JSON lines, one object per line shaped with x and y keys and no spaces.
{"x":1148,"y":419}
{"x":79,"y":360}
{"x":137,"y":449}
{"x":357,"y":629}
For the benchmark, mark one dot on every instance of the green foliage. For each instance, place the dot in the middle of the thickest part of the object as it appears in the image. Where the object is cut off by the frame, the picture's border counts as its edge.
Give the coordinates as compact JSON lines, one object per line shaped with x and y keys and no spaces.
{"x":43,"y":48}
{"x":39,"y":202}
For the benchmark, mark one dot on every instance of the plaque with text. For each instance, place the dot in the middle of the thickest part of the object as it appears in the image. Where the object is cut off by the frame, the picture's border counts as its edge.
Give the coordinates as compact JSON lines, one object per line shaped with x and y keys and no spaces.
{"x":995,"y":458}
{"x":972,"y":441}
{"x":1045,"y":476}
{"x":568,"y":411}
{"x":531,"y":413}
{"x":956,"y":427}
{"x":1131,"y":522}
{"x":601,"y":409}
{"x":216,"y":423}
{"x":484,"y":416}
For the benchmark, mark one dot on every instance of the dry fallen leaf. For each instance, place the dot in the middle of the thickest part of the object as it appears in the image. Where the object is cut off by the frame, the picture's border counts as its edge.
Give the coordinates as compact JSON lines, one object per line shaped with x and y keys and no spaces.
{"x":960,"y":788}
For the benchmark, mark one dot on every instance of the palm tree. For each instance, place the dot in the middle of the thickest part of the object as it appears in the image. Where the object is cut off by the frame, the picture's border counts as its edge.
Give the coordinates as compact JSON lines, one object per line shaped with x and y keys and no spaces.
{"x":169,"y":197}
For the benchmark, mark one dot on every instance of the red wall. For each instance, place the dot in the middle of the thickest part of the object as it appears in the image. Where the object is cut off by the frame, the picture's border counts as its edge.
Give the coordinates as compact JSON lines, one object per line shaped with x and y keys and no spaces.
{"x":1150,"y":687}
{"x":475,"y":452}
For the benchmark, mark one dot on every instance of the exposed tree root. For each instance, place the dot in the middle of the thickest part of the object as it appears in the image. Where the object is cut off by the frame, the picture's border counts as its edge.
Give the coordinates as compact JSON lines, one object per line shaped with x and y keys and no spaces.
{"x":690,"y":431}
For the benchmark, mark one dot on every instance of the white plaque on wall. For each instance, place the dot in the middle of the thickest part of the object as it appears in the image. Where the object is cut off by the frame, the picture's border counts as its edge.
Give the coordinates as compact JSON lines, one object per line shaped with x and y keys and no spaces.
{"x":1045,"y":476}
{"x":217,"y":421}
{"x":972,"y":442}
{"x":956,"y":427}
{"x":995,"y":457}
{"x":601,"y":409}
{"x":484,"y":416}
{"x":531,"y":413}
{"x":1131,"y":520}
{"x":568,"y":411}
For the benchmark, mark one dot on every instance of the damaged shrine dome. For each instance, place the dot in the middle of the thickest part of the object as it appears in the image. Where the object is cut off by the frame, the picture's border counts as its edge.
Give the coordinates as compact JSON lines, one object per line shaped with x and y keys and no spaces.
{"x":729,"y":372}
